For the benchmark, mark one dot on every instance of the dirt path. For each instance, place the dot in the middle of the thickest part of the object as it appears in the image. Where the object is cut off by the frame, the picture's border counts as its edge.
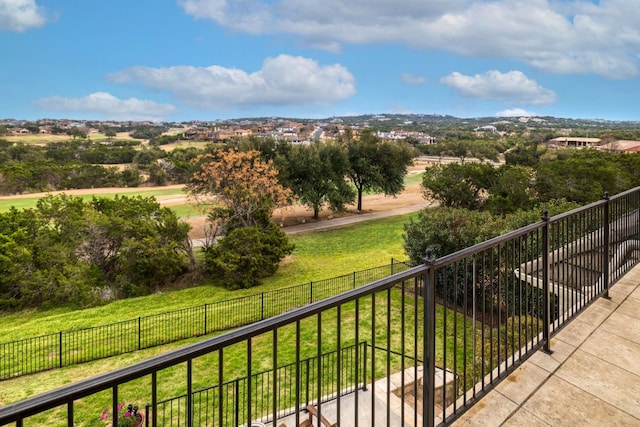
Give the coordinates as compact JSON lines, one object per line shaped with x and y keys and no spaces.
{"x":298,"y":218}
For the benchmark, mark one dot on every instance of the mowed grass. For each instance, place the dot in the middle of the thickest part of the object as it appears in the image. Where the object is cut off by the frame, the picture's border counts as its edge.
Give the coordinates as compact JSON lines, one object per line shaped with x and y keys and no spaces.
{"x":185,"y":144}
{"x":183,"y":210}
{"x":318,"y":255}
{"x":172,"y":381}
{"x":160,"y":193}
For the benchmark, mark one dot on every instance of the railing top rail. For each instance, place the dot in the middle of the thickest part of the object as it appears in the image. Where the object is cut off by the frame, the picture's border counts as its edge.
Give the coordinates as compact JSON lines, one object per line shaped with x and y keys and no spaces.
{"x":487,"y":244}
{"x":625,"y":193}
{"x":108,"y":380}
{"x":564,"y":215}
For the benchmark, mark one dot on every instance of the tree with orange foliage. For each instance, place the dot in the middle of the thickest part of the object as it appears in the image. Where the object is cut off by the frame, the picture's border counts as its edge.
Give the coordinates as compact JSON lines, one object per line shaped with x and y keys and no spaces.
{"x":239,"y":191}
{"x":237,"y":187}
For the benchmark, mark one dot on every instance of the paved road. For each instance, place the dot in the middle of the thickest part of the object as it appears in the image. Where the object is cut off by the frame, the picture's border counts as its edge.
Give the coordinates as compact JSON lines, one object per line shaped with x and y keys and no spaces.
{"x":352,"y":219}
{"x":343,"y":221}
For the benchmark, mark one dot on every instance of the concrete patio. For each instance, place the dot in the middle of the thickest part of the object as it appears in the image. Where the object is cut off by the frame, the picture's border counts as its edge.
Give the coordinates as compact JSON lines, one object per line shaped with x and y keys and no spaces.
{"x":591,"y":378}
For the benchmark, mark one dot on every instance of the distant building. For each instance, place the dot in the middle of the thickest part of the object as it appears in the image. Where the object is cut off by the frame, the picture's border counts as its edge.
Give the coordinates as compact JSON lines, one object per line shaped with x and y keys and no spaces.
{"x":618,"y":146}
{"x":621,"y":146}
{"x":489,"y":128}
{"x":573,"y":141}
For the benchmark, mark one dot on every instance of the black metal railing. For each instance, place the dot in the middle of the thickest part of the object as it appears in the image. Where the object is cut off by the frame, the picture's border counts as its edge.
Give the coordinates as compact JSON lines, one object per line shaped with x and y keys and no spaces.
{"x":353,"y":374}
{"x":471,"y":317}
{"x":67,"y":348}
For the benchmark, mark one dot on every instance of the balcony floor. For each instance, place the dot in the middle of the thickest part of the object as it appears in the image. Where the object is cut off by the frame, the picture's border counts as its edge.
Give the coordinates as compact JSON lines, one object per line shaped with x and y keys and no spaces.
{"x":591,"y":378}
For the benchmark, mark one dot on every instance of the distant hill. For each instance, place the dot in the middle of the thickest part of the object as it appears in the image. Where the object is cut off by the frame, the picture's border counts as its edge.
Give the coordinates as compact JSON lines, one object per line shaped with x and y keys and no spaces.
{"x":400,"y":120}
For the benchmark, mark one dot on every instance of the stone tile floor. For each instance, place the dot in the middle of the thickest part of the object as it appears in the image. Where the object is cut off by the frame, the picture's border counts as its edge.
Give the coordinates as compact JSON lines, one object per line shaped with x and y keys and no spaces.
{"x":592,"y":377}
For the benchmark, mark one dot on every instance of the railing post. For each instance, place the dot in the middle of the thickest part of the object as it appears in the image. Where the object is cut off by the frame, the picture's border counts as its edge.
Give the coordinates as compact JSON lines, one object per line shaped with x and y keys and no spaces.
{"x":114,"y":405}
{"x":364,"y":367}
{"x":70,"y":414}
{"x":310,"y":292}
{"x":607,"y":246}
{"x":139,"y":333}
{"x":154,"y":400}
{"x":205,"y":318}
{"x":236,"y":414}
{"x":306,"y":391}
{"x":546,"y":333}
{"x":60,"y":354}
{"x":429,"y":347}
{"x":262,"y":307}
{"x":189,"y":393}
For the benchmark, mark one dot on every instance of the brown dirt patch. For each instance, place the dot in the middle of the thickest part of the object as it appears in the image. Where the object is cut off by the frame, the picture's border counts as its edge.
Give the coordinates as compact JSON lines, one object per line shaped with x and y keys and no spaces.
{"x":297,"y":214}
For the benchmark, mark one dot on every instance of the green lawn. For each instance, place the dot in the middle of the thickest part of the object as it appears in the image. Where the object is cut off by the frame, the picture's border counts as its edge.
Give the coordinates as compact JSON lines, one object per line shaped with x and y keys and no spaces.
{"x":159,"y":193}
{"x":317,"y":256}
{"x":171,"y":381}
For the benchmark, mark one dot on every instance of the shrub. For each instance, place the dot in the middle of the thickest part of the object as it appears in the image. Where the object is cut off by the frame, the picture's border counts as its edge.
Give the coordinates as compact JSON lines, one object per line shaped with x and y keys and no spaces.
{"x":246,"y":255}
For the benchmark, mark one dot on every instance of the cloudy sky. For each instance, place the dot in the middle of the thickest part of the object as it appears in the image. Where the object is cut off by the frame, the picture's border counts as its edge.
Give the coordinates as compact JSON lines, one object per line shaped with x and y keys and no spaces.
{"x":182,"y":60}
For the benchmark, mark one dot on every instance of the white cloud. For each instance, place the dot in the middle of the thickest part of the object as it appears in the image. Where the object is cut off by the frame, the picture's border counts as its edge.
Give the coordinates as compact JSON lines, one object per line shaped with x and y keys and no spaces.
{"x":283,"y":80}
{"x":515,"y":112}
{"x":512,"y":87}
{"x":412,"y":79}
{"x":248,"y":15}
{"x":20,"y":15}
{"x":109,"y":107}
{"x":555,"y":36}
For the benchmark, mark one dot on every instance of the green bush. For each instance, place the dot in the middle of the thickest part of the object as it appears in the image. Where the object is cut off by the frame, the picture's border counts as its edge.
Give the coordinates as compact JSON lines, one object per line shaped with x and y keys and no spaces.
{"x":246,"y":255}
{"x":68,"y":251}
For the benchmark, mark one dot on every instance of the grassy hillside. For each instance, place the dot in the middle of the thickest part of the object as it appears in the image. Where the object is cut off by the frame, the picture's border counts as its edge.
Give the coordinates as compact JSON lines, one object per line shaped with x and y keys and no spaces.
{"x":318,"y":255}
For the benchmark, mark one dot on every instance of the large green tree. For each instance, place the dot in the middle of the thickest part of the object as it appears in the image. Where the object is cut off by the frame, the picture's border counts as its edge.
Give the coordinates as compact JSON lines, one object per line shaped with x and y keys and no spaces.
{"x":317,"y":175}
{"x":448,"y":230}
{"x":512,"y":190}
{"x":458,"y":185}
{"x":376,"y":165}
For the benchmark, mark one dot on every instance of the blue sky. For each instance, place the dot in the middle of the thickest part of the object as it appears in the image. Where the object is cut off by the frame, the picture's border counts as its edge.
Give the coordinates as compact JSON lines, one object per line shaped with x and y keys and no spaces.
{"x":180,"y":60}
